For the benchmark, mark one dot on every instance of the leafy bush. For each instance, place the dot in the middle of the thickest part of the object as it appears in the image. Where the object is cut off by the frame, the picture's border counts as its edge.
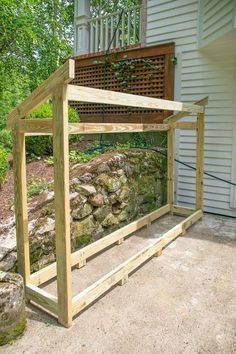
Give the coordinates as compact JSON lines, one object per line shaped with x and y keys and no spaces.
{"x":43,"y":145}
{"x":4,"y":165}
{"x":6,"y":140}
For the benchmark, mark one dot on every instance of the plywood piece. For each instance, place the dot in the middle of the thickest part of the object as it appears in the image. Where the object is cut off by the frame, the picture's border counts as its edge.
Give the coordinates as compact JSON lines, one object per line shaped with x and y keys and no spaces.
{"x":87,"y":94}
{"x":62,"y":205}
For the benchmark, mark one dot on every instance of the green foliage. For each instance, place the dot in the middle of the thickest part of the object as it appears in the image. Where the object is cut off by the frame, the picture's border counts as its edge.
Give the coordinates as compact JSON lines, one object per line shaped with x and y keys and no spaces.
{"x":36,"y":186}
{"x":81,"y":157}
{"x":4,"y":165}
{"x":6,"y":140}
{"x":43,"y":145}
{"x":36,"y":37}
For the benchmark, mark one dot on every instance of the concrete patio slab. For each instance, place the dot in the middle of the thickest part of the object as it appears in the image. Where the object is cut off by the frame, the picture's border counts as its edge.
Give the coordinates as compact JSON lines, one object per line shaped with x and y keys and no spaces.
{"x":180,"y":303}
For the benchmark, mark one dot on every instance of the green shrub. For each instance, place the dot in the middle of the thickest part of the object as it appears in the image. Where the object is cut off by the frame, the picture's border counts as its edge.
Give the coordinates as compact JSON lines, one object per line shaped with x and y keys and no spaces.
{"x":43,"y":145}
{"x":6,"y":140}
{"x":4,"y":165}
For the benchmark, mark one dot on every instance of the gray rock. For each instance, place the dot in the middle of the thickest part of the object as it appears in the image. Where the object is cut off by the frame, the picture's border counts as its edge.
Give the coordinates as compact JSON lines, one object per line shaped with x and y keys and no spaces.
{"x":86,"y":189}
{"x":81,"y":212}
{"x":97,"y":200}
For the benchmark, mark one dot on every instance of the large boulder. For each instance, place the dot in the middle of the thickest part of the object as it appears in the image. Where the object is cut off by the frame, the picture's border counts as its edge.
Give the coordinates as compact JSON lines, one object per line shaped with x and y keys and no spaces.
{"x":12,"y":308}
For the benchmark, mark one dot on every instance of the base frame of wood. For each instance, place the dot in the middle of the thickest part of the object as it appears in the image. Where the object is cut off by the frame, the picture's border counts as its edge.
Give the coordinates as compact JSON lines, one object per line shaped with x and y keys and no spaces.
{"x":119,"y":275}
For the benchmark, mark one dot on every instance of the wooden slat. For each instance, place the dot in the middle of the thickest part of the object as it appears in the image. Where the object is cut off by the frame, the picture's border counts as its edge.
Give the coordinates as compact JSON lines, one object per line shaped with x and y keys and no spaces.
{"x":200,"y":162}
{"x":170,"y":167}
{"x":87,"y":94}
{"x":94,"y":291}
{"x":180,"y":210}
{"x":185,"y":125}
{"x":175,"y":117}
{"x":50,"y":271}
{"x":62,"y":204}
{"x":45,"y":127}
{"x":41,"y":298}
{"x":20,"y":200}
{"x":36,"y":126}
{"x":93,"y":128}
{"x":62,"y":75}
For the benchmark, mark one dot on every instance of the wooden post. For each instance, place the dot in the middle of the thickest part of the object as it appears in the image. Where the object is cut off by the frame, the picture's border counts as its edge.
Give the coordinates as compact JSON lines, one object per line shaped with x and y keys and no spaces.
{"x":170,"y":168}
{"x":62,"y":205}
{"x":200,"y":161}
{"x":20,"y":200}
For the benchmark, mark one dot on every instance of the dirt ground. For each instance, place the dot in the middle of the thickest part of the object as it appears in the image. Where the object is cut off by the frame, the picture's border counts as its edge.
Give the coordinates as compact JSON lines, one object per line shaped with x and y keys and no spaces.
{"x":183,"y":302}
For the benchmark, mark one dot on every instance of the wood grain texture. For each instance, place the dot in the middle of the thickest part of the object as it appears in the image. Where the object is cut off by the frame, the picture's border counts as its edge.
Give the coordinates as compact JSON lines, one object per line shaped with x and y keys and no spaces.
{"x":42,"y":298}
{"x":175,"y":117}
{"x":62,"y":205}
{"x":170,"y":167}
{"x":200,"y":162}
{"x":94,"y":128}
{"x":20,"y":200}
{"x":87,"y":94}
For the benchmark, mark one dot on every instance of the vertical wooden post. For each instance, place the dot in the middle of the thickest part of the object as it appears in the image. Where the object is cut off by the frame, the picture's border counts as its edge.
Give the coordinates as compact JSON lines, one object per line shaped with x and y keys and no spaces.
{"x":200,"y":161}
{"x":62,"y":205}
{"x":20,"y":200}
{"x":170,"y":167}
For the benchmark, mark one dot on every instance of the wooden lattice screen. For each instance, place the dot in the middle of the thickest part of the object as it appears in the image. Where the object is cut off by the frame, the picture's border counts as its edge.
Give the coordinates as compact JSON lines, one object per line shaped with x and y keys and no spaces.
{"x":153,"y":80}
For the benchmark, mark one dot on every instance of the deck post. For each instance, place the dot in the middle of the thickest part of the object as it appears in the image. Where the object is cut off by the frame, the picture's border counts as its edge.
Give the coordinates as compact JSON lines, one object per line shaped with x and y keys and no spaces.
{"x":20,"y":200}
{"x":200,"y":161}
{"x":62,"y":206}
{"x":170,"y":168}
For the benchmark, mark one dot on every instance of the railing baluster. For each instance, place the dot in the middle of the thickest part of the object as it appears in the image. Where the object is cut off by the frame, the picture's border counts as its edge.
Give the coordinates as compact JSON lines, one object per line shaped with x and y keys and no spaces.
{"x":135,"y":20}
{"x":123,"y":30}
{"x":96,"y":36}
{"x":91,"y":38}
{"x":106,"y":45}
{"x":117,"y":31}
{"x":112,"y":32}
{"x":128,"y":39}
{"x":101,"y":35}
{"x":140,"y":24}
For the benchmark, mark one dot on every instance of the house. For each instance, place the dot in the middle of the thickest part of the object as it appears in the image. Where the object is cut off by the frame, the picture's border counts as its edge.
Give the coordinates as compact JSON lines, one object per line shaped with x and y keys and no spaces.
{"x":204,"y":33}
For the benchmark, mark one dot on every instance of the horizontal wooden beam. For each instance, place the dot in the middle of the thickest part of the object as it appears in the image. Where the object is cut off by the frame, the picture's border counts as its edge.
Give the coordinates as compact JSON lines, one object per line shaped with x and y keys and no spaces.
{"x":77,"y":257}
{"x":42,"y":298}
{"x":185,"y":125}
{"x":87,"y":94}
{"x":36,"y":126}
{"x":62,"y":75}
{"x":181,"y":210}
{"x":177,"y":116}
{"x":95,"y":128}
{"x":31,"y":127}
{"x":90,"y":294}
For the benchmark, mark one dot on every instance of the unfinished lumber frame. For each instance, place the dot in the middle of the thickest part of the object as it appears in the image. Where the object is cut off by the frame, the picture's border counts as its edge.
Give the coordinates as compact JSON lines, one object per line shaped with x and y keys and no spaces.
{"x":57,"y":86}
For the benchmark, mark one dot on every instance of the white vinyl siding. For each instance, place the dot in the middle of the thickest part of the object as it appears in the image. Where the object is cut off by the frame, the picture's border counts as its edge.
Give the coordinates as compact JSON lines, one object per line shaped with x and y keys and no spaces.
{"x":198,"y":74}
{"x":216,"y":19}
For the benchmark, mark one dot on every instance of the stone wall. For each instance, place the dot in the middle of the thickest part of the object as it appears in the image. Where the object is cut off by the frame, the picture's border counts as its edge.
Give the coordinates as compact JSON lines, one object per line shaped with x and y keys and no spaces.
{"x":105,"y":194}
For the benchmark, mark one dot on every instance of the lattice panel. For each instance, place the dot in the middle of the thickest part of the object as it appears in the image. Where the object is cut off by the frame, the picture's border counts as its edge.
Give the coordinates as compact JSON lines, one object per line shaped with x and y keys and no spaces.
{"x":150,"y":80}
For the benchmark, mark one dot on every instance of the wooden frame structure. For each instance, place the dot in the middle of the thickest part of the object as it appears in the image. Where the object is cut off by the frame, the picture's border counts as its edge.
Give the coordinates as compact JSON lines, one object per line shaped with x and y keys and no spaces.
{"x":58,"y":87}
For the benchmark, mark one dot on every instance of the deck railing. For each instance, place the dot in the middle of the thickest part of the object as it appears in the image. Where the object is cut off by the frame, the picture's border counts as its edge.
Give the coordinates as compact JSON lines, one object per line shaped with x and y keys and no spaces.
{"x":116,"y":30}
